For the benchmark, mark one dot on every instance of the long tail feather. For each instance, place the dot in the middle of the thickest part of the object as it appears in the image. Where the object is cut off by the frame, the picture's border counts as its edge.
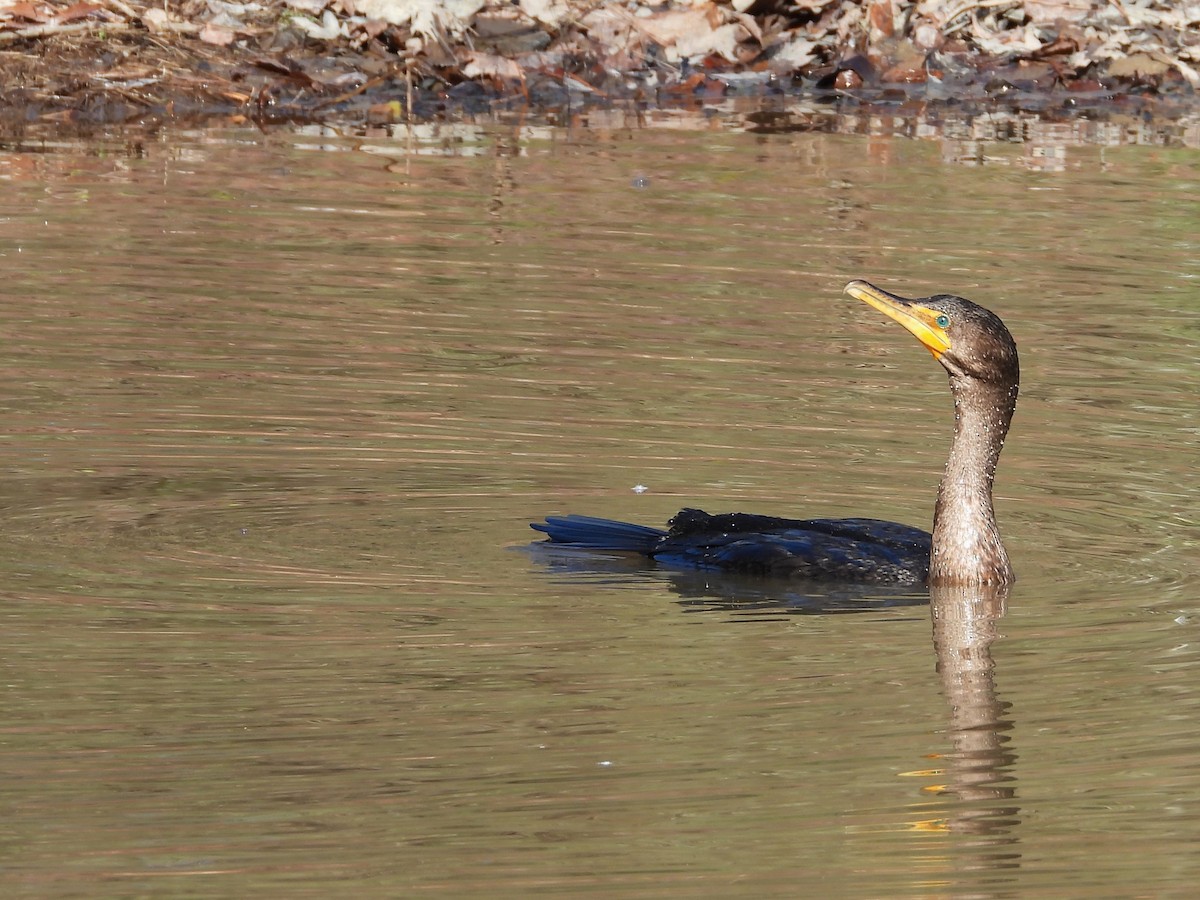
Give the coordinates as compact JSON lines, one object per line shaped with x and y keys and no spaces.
{"x":599,"y":534}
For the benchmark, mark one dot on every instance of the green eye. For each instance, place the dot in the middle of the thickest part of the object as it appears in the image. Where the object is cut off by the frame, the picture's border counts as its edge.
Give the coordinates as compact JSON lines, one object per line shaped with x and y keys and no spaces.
{"x":942,"y":321}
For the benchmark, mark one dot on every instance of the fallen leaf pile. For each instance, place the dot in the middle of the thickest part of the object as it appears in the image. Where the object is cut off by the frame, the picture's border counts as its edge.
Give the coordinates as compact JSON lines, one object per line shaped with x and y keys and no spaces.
{"x":599,"y":43}
{"x":326,"y":50}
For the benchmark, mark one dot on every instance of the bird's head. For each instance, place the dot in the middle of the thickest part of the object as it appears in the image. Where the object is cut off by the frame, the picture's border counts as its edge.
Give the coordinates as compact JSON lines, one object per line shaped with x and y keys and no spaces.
{"x":968,"y":340}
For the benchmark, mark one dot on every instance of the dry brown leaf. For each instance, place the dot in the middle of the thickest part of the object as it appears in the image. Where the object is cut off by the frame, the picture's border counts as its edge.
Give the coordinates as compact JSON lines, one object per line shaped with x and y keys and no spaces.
{"x":425,"y":17}
{"x":76,"y":11}
{"x":753,"y":29}
{"x":1050,"y":11}
{"x":491,"y":66}
{"x":847,"y":80}
{"x":549,"y":12}
{"x":905,"y":72}
{"x":1063,"y":45}
{"x":609,"y":27}
{"x":30,"y":12}
{"x":927,"y":36}
{"x":694,"y":32}
{"x":1137,"y":65}
{"x":796,"y":54}
{"x":674,"y":25}
{"x":883,"y":15}
{"x":156,"y":19}
{"x":217,"y":35}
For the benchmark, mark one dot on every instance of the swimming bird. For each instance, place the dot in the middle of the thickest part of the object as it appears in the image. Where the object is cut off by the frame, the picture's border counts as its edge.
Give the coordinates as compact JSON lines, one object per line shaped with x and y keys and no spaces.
{"x":980,"y":357}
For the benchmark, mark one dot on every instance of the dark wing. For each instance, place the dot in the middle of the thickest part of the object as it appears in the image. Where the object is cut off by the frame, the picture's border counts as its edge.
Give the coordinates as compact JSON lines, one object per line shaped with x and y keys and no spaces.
{"x":859,"y":550}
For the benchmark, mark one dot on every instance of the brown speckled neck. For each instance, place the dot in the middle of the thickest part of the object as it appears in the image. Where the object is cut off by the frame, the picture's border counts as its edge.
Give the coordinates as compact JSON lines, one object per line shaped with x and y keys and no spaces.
{"x":966,"y":541}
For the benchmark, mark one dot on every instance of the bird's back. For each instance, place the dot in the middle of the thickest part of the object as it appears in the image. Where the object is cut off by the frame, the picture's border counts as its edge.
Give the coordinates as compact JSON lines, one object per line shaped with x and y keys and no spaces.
{"x":849,"y":550}
{"x":861,"y":550}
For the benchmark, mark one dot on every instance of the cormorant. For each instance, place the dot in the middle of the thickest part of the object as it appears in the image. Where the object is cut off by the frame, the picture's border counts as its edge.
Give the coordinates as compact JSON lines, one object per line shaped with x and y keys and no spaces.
{"x":980,"y":357}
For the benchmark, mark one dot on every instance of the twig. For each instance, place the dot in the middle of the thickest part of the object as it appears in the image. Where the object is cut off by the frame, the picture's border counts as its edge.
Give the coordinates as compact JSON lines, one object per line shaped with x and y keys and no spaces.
{"x":51,"y":29}
{"x":178,"y":27}
{"x":125,"y":9}
{"x":37,"y":31}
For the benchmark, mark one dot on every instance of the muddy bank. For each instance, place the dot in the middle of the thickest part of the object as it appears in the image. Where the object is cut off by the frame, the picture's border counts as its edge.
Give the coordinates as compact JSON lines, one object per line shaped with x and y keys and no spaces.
{"x":382,"y":61}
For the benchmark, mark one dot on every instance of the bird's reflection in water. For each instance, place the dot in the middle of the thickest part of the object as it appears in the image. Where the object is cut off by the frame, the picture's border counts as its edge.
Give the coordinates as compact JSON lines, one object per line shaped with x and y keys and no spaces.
{"x":743,"y":596}
{"x":976,"y":789}
{"x":973,"y":789}
{"x":750,"y":598}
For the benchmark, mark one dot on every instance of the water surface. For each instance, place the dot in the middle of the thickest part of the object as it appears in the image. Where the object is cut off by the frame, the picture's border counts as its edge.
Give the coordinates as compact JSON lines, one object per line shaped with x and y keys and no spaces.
{"x":278,"y":407}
